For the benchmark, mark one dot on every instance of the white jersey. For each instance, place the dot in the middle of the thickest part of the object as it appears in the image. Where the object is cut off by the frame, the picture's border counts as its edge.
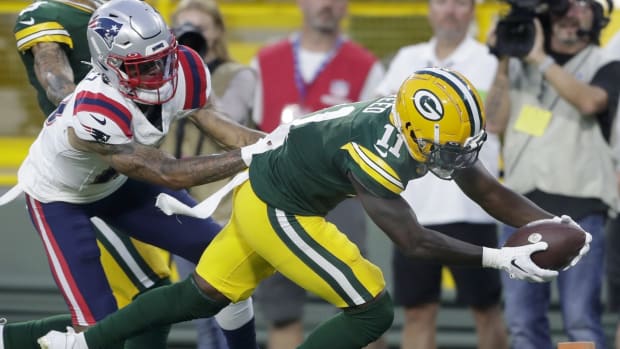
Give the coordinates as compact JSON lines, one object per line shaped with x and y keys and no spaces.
{"x":55,"y":171}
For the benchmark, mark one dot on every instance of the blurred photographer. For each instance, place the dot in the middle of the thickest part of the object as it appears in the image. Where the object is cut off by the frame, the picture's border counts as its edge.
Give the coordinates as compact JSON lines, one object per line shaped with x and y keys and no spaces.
{"x":554,"y":108}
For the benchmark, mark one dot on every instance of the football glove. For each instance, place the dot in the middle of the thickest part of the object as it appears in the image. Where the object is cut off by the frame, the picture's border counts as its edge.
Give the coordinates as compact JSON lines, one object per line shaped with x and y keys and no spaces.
{"x":516,"y":261}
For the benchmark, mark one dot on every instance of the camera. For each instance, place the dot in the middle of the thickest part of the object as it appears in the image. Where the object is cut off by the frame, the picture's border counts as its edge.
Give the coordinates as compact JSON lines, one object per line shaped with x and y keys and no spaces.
{"x":516,"y":31}
{"x":191,"y":36}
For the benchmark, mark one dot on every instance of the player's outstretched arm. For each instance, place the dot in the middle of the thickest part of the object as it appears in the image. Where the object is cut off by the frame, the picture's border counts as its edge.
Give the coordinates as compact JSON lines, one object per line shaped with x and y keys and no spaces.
{"x":498,"y":200}
{"x":397,"y":220}
{"x":155,"y":166}
{"x":223,"y":130}
{"x":395,"y":217}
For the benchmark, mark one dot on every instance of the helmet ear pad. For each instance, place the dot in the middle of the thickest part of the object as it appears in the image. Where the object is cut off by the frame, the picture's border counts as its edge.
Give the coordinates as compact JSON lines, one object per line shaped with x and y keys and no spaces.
{"x":421,"y":147}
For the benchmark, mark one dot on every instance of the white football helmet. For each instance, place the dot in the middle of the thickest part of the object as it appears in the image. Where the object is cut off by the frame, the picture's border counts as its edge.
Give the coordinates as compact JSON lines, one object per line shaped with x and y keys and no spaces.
{"x":135,"y":51}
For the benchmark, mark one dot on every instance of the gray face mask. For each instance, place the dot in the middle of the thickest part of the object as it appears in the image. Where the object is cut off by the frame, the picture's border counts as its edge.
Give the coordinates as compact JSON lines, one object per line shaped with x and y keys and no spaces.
{"x":442,"y":160}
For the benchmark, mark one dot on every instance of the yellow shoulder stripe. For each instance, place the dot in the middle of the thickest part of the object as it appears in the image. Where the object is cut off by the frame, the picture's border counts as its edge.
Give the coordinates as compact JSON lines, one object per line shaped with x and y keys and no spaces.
{"x":375,"y":167}
{"x":42,"y":32}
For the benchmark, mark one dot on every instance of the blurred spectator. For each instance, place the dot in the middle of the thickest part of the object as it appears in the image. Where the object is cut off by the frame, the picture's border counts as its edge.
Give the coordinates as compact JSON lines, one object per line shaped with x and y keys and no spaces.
{"x":555,"y":108}
{"x":315,"y":68}
{"x":199,"y":24}
{"x":612,"y":250}
{"x":417,"y":284}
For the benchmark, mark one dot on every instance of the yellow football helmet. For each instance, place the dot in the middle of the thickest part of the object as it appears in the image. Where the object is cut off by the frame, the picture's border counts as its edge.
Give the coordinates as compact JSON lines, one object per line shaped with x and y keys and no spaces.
{"x":441,"y":118}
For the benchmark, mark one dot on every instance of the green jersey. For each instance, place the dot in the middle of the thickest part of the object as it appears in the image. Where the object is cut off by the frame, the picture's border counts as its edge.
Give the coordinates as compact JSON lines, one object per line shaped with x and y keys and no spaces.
{"x":63,"y":22}
{"x":307,"y":175}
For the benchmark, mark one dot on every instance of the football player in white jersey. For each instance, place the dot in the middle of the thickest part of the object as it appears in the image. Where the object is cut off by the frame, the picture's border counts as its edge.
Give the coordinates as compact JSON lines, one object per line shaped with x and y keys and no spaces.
{"x":96,"y":156}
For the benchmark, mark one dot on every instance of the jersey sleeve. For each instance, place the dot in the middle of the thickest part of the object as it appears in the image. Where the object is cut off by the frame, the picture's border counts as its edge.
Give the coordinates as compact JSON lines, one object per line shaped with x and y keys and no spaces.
{"x":101,"y":119}
{"x":197,"y":79}
{"x":33,"y":26}
{"x":374,"y":173}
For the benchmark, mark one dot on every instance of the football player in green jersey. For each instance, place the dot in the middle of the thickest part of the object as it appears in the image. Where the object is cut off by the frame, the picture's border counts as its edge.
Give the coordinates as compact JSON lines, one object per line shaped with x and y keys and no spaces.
{"x":371,"y":150}
{"x":51,"y":40}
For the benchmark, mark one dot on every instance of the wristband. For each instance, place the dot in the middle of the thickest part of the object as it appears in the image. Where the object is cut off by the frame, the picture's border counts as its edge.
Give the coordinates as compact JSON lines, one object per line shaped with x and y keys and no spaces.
{"x":490,"y":257}
{"x":546,"y":63}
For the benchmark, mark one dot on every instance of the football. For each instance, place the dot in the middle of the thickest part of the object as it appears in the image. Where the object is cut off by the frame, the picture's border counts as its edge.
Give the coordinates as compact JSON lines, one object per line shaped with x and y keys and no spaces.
{"x":564,"y":242}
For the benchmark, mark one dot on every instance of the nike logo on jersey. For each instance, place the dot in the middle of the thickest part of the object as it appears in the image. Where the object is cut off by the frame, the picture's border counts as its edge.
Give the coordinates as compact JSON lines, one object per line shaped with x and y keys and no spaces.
{"x":29,"y":21}
{"x":101,"y":121}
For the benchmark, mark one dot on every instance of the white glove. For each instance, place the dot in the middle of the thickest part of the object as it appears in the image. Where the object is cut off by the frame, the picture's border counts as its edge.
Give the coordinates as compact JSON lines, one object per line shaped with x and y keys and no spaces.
{"x":273,"y":140}
{"x":278,"y":136}
{"x":565,"y":219}
{"x":248,"y":151}
{"x":516,"y":261}
{"x":586,"y":246}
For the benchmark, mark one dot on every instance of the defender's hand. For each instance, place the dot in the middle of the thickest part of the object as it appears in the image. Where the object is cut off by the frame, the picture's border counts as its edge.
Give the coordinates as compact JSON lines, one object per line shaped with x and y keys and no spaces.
{"x":278,"y":136}
{"x":259,"y":147}
{"x":271,"y":141}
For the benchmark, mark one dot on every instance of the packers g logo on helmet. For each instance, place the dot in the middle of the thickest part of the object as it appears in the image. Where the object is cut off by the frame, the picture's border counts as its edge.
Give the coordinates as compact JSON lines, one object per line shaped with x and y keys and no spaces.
{"x":440,"y":116}
{"x":428,"y":105}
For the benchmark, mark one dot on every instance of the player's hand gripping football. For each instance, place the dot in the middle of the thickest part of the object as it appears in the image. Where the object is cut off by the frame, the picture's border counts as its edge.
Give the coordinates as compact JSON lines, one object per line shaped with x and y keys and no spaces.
{"x":565,"y":219}
{"x":269,"y":142}
{"x":517,"y":262}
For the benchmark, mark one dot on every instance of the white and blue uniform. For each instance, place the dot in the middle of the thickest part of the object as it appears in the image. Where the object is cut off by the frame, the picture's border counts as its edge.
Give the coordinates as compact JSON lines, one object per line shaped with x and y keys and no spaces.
{"x":65,"y":186}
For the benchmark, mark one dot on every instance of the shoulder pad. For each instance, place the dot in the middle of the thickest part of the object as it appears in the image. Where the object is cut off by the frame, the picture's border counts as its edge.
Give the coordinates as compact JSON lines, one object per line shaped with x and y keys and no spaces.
{"x":37,"y":23}
{"x":197,"y":78}
{"x":101,"y":118}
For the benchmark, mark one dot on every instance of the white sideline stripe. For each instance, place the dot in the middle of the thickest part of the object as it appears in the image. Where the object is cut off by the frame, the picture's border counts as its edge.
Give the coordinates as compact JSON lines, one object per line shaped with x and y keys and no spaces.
{"x":317,"y":258}
{"x":122,"y":250}
{"x":64,"y":283}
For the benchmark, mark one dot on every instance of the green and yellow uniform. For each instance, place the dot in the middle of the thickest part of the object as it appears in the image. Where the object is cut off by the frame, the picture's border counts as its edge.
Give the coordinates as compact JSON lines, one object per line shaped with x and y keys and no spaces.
{"x":63,"y":22}
{"x":278,"y":216}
